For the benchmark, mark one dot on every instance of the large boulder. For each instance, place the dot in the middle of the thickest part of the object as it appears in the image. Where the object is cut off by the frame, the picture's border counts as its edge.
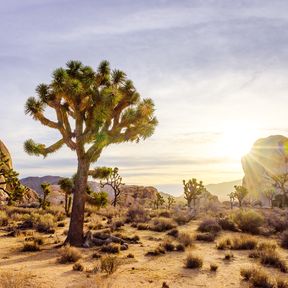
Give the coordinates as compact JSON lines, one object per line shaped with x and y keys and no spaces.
{"x":267,"y":156}
{"x":7,"y":156}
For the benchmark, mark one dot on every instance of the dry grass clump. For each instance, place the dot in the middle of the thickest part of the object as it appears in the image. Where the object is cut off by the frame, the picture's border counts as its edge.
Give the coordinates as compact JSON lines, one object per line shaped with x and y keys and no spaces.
{"x":213,"y":267}
{"x":258,"y":278}
{"x":226,"y":223}
{"x":284,"y":240}
{"x":3,"y":218}
{"x":185,"y":239}
{"x":42,"y":223}
{"x":164,"y":213}
{"x":137,"y":215}
{"x":168,"y":246}
{"x":30,"y":246}
{"x":209,"y":226}
{"x":156,"y":252}
{"x":207,"y":237}
{"x":173,"y":233}
{"x":143,"y":226}
{"x":180,"y":248}
{"x":193,"y":261}
{"x":69,"y":254}
{"x":242,"y":242}
{"x":162,"y":224}
{"x":111,"y":248}
{"x":277,"y":220}
{"x":273,"y":259}
{"x":282,"y":283}
{"x":248,"y":220}
{"x":95,"y":222}
{"x":228,"y":256}
{"x":109,"y":264}
{"x":17,"y":280}
{"x":78,"y":267}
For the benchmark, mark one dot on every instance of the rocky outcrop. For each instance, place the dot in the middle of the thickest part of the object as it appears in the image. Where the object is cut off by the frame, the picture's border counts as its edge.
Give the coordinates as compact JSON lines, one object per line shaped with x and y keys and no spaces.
{"x":8,"y":165}
{"x":267,"y":156}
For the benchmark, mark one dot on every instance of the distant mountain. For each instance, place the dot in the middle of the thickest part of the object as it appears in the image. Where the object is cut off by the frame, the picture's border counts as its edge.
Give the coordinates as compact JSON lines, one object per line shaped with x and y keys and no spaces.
{"x":223,"y":189}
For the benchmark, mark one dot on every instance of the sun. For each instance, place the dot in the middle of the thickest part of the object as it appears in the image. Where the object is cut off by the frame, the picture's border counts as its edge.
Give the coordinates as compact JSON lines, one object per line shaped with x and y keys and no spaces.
{"x":236,"y":140}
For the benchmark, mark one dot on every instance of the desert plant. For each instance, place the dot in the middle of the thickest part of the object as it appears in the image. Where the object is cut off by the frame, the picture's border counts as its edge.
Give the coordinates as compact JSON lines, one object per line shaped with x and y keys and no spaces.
{"x":163,"y":224}
{"x":232,"y":197}
{"x":170,"y":202}
{"x":185,"y":238}
{"x":31,"y":246}
{"x":209,"y":225}
{"x":111,"y":248}
{"x":173,"y":233}
{"x":99,"y":199}
{"x":207,"y":237}
{"x":109,"y":264}
{"x":43,"y":202}
{"x":192,"y":191}
{"x":66,"y":184}
{"x":3,"y":218}
{"x":168,"y":246}
{"x":270,"y":193}
{"x":284,"y":239}
{"x":104,"y":107}
{"x":69,"y":254}
{"x":227,"y":224}
{"x":14,"y":279}
{"x":43,"y":223}
{"x":159,"y":201}
{"x":156,"y":252}
{"x":180,"y":248}
{"x":137,"y":215}
{"x":213,"y":267}
{"x":193,"y":261}
{"x":241,"y":242}
{"x":270,"y":257}
{"x":257,"y":278}
{"x":78,"y":267}
{"x":228,"y":256}
{"x":240,"y":193}
{"x":248,"y":220}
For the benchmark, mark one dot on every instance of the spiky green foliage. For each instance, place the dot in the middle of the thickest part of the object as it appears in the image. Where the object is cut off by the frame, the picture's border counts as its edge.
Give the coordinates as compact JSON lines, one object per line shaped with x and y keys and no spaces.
{"x":170,"y":202}
{"x":240,"y":193}
{"x":159,"y":201}
{"x":9,"y":182}
{"x":66,"y":184}
{"x":99,"y":199}
{"x":192,"y":191}
{"x":109,"y":177}
{"x":43,"y":202}
{"x":93,"y":110}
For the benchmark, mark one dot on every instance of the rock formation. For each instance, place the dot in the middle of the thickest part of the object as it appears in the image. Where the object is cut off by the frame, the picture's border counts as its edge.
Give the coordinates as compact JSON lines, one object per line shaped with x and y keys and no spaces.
{"x":267,"y":157}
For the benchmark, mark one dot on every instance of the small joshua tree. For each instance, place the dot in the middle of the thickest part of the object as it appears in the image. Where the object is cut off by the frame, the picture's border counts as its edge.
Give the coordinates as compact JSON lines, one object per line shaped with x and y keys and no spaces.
{"x":9,"y":182}
{"x":66,"y":184}
{"x":93,"y":109}
{"x":270,"y":194}
{"x":170,"y":202}
{"x":99,"y":199}
{"x":232,"y":198}
{"x":111,"y":178}
{"x":159,"y":201}
{"x":192,"y":191}
{"x":44,"y":203}
{"x":240,"y":193}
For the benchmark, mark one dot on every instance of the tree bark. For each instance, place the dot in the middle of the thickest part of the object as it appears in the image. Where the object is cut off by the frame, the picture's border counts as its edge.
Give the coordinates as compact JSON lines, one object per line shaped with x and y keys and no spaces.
{"x":75,"y":235}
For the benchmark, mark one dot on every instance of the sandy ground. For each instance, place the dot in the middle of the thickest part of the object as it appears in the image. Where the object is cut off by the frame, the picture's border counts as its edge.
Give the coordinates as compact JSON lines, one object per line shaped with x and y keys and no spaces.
{"x":141,"y":272}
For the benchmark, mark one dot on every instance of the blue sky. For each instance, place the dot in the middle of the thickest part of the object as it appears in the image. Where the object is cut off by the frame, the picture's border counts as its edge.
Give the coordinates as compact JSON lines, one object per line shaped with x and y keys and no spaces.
{"x":217,"y":71}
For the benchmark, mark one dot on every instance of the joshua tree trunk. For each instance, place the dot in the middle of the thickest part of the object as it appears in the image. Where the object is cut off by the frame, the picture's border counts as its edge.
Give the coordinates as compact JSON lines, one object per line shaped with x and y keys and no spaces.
{"x":75,"y":236}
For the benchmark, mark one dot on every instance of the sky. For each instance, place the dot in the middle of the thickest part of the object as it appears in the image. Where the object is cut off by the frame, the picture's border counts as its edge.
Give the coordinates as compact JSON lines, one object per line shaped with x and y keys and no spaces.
{"x":216,"y":70}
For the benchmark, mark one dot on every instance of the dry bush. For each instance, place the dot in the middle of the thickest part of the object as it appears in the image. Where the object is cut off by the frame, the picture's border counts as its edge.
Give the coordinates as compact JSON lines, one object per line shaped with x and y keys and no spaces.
{"x":186,"y":239}
{"x":210,"y":226}
{"x":228,"y":256}
{"x":281,"y":283}
{"x":164,"y":213}
{"x":284,"y":239}
{"x":182,"y":217}
{"x":143,"y":226}
{"x":3,"y":218}
{"x":213,"y":267}
{"x":258,"y":278}
{"x":271,"y":258}
{"x":207,"y":237}
{"x":163,"y":224}
{"x":30,"y":246}
{"x":111,"y":248}
{"x":17,"y":280}
{"x":57,"y":211}
{"x":78,"y":267}
{"x":42,"y":223}
{"x":248,"y":220}
{"x":137,"y":215}
{"x":180,"y":248}
{"x":193,"y":261}
{"x":277,"y":220}
{"x":95,"y":222}
{"x":168,"y":246}
{"x":156,"y":252}
{"x":130,"y":255}
{"x":69,"y":254}
{"x":227,"y":224}
{"x":173,"y":233}
{"x":242,"y":242}
{"x":109,"y":264}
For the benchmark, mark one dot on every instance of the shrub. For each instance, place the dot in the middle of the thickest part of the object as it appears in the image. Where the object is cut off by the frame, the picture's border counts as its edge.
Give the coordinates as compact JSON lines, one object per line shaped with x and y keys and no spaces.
{"x":284,"y":240}
{"x":156,"y":252}
{"x":193,"y":261}
{"x":137,"y":215}
{"x":165,"y":214}
{"x":143,"y":226}
{"x":185,"y":239}
{"x":257,"y":278}
{"x":69,"y":254}
{"x":109,"y":264}
{"x":281,"y":283}
{"x":30,"y":247}
{"x":241,"y":242}
{"x":17,"y":280}
{"x":228,"y":256}
{"x":130,"y":255}
{"x":168,"y":246}
{"x":273,"y":259}
{"x":227,"y":224}
{"x":277,"y":221}
{"x":180,"y":248}
{"x":213,"y":267}
{"x":181,"y":218}
{"x":207,"y":237}
{"x":43,"y":223}
{"x":3,"y":218}
{"x":96,"y":255}
{"x":78,"y":267}
{"x":173,"y":233}
{"x":162,"y":224}
{"x":209,"y":225}
{"x":111,"y":248}
{"x":248,"y":220}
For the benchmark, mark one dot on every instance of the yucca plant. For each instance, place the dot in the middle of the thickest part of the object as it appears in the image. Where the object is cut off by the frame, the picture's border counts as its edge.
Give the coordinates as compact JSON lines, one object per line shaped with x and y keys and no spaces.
{"x":93,"y":110}
{"x":66,"y":185}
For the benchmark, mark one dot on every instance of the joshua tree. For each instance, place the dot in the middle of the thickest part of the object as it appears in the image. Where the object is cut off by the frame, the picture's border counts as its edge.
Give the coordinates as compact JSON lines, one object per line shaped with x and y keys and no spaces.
{"x":93,"y":110}
{"x":159,"y":201}
{"x":66,"y":184}
{"x":99,"y":199}
{"x":270,"y":194}
{"x":192,"y":191}
{"x":240,"y":193}
{"x":170,"y":201}
{"x":44,"y":203}
{"x":9,"y":182}
{"x":232,"y":198}
{"x":111,"y":178}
